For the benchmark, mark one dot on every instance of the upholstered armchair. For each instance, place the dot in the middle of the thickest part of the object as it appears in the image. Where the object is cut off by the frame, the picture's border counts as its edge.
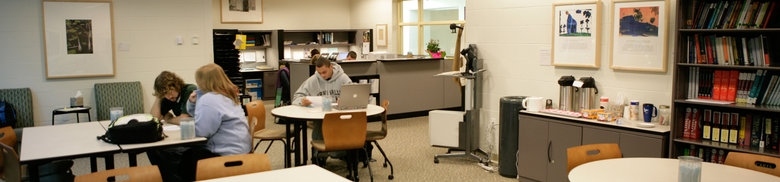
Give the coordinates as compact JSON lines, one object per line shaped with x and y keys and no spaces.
{"x":128,"y":95}
{"x":21,"y":99}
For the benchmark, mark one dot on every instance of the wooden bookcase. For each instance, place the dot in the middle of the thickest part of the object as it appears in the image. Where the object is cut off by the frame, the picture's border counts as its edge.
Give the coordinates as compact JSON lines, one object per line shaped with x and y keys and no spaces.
{"x":710,"y":56}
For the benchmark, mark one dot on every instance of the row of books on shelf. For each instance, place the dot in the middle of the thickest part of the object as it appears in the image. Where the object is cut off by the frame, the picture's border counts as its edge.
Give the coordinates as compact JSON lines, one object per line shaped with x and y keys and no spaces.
{"x":730,"y":50}
{"x":741,"y":129}
{"x":732,"y":14}
{"x":743,"y":87}
{"x":705,"y":153}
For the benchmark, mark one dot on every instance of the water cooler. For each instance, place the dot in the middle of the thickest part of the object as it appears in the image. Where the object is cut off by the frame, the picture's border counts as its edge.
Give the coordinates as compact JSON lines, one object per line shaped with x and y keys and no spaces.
{"x":509,"y":108}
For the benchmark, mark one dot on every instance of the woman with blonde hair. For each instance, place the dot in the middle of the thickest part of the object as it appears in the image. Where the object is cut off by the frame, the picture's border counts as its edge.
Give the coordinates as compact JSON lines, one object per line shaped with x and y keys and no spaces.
{"x":218,"y":117}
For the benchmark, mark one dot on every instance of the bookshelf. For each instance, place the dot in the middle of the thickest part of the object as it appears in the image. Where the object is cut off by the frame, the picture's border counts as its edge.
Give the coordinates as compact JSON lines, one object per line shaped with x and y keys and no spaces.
{"x":327,"y":41}
{"x":725,"y":48}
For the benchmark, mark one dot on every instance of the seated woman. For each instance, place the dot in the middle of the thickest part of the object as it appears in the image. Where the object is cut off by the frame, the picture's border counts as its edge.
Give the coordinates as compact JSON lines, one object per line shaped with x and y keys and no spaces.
{"x":218,"y":117}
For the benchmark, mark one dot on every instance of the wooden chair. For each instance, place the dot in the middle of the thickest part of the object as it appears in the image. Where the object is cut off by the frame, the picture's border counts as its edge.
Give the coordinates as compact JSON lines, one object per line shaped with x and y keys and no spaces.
{"x":582,"y":154}
{"x":760,"y":163}
{"x":256,"y":117}
{"x":373,"y":136}
{"x":129,"y":174}
{"x":231,"y":165}
{"x":344,"y":131}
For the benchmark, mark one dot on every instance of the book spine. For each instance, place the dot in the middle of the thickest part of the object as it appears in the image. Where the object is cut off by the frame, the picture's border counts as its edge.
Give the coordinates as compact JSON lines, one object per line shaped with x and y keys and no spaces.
{"x":706,"y":125}
{"x":687,"y":124}
{"x":716,"y":126}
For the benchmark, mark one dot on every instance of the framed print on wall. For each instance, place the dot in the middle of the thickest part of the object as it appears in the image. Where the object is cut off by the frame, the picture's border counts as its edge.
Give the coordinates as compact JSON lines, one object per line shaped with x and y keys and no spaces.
{"x":241,"y":11}
{"x":575,"y":35}
{"x":639,"y":32}
{"x":381,"y":34}
{"x":78,"y":38}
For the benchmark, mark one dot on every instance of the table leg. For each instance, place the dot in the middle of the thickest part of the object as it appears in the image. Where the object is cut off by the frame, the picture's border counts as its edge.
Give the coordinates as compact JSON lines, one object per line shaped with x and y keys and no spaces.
{"x":32,"y":172}
{"x":305,"y":144}
{"x":297,"y":140}
{"x":132,"y":158}
{"x":290,"y":145}
{"x":77,"y":118}
{"x":93,"y":163}
{"x":109,"y":161}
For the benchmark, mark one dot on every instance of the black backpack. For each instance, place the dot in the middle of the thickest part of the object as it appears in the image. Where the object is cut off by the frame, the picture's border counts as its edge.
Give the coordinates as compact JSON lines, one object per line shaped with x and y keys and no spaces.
{"x":134,"y":132}
{"x":7,"y":114}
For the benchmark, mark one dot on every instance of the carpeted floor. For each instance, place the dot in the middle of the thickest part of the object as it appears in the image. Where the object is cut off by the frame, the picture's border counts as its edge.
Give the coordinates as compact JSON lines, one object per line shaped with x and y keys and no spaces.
{"x":407,"y":145}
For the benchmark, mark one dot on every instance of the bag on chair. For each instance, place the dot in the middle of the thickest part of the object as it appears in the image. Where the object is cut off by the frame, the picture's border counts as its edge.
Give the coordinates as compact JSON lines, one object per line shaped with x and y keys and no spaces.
{"x":131,"y":129}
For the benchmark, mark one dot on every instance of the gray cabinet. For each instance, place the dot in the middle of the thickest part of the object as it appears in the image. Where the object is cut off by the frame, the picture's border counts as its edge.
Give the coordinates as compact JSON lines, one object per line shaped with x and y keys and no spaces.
{"x":543,"y":140}
{"x":542,"y":147}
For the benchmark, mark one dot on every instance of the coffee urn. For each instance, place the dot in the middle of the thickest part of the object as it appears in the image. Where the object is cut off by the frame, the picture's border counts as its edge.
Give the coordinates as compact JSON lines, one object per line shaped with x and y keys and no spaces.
{"x":587,"y":94}
{"x":566,"y":93}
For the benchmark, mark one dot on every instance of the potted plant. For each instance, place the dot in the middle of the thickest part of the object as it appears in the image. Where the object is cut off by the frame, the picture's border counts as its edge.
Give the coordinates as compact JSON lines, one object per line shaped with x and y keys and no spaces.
{"x":433,"y":49}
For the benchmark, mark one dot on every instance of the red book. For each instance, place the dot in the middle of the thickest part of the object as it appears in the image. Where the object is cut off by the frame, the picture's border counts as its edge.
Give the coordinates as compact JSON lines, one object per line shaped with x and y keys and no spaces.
{"x":717,"y":83}
{"x":687,"y":126}
{"x":695,"y":131}
{"x":731,"y":92}
{"x":708,"y":42}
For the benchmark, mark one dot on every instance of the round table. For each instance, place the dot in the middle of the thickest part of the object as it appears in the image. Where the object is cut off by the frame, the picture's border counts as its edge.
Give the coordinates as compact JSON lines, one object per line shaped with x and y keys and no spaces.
{"x":297,"y":117}
{"x":659,"y":169}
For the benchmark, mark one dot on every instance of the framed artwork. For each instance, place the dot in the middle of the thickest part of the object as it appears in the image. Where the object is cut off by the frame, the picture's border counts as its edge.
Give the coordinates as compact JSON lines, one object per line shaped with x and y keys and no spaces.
{"x":575,"y":35}
{"x":241,"y":11}
{"x":78,"y":38}
{"x":381,"y":34}
{"x":639,"y":32}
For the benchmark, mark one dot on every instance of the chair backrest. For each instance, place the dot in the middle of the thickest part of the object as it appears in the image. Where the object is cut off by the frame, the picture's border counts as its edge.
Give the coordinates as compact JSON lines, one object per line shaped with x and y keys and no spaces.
{"x":582,"y":154}
{"x":256,"y":115}
{"x":232,"y":165}
{"x":21,"y":99}
{"x":128,"y":95}
{"x":385,"y":105}
{"x":761,"y":163}
{"x":130,"y":174}
{"x":283,"y":88}
{"x":11,"y":167}
{"x":344,"y":130}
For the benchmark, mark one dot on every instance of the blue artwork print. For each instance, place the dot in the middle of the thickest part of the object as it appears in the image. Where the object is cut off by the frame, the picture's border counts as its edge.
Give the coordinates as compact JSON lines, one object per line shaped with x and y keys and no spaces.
{"x":576,"y":22}
{"x":639,"y":21}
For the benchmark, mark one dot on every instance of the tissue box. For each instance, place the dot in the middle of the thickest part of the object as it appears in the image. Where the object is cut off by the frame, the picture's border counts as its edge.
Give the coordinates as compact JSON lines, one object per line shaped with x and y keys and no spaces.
{"x":76,"y":101}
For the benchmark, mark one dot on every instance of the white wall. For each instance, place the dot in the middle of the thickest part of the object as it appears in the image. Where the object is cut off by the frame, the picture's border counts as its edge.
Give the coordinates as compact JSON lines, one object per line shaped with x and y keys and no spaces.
{"x":366,"y":14}
{"x":149,"y":29}
{"x":510,"y":35}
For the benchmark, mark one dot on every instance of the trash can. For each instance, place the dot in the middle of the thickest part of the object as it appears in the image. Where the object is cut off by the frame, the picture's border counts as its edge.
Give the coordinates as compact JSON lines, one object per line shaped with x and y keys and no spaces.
{"x":509,"y":108}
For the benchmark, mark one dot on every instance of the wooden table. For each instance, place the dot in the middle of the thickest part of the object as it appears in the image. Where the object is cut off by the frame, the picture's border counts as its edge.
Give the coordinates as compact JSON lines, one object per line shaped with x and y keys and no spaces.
{"x":297,"y":117}
{"x":43,"y":144}
{"x":659,"y":169}
{"x":300,"y":173}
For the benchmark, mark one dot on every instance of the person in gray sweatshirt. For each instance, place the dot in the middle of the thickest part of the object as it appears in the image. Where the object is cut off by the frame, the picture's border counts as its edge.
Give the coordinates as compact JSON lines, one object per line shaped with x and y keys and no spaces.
{"x":326,"y":81}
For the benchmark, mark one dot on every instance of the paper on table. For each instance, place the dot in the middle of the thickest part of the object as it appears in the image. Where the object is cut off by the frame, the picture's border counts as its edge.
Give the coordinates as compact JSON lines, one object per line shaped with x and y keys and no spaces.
{"x":171,"y":127}
{"x":248,"y":56}
{"x":316,"y":101}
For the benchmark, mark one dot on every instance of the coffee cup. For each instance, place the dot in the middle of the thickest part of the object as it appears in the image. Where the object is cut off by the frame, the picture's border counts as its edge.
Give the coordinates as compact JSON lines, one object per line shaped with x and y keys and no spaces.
{"x":649,"y":111}
{"x":533,"y":104}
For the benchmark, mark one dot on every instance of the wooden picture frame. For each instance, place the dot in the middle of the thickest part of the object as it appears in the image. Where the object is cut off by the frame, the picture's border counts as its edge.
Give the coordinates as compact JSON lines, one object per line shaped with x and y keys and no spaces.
{"x":381,"y":34}
{"x":576,"y":34}
{"x":78,"y":38}
{"x":241,"y":11}
{"x":639,"y":35}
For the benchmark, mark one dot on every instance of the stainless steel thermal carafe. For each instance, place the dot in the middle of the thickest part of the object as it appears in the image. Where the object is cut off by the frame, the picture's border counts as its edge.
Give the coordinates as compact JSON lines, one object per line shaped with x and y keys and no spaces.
{"x":587,"y":94}
{"x":566,"y":93}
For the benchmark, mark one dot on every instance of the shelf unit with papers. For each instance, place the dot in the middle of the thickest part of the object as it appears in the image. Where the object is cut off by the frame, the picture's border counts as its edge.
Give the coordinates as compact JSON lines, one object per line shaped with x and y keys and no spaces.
{"x":719,"y":55}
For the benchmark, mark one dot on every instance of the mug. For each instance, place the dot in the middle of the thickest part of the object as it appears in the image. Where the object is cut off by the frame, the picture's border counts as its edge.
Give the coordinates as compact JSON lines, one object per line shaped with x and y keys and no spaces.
{"x":649,"y":111}
{"x":533,"y":104}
